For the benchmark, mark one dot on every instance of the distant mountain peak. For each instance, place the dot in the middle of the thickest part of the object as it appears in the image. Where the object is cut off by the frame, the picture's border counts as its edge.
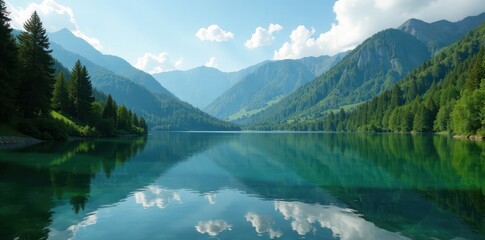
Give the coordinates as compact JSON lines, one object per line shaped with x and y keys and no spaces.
{"x":65,"y":31}
{"x":439,"y":34}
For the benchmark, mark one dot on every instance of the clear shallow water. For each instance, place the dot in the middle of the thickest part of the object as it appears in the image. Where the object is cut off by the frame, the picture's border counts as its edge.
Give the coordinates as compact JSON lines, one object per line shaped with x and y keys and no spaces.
{"x":245,"y":186}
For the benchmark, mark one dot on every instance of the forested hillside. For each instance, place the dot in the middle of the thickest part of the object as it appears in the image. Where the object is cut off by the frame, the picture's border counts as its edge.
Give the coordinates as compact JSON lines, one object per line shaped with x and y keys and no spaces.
{"x":446,"y":93}
{"x":368,"y":70}
{"x":372,"y":68}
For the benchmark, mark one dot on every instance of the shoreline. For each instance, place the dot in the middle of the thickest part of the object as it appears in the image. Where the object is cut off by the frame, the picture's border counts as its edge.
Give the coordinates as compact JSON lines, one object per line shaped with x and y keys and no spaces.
{"x":17,"y":141}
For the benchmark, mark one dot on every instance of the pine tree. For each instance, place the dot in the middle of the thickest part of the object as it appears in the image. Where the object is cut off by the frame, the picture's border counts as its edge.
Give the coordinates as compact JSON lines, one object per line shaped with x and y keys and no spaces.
{"x":80,"y":92}
{"x":86,"y":95}
{"x":476,"y":72}
{"x":109,"y":109}
{"x":74,"y":88}
{"x":36,"y":66}
{"x":8,"y":65}
{"x":135,"y":121}
{"x":123,"y":118}
{"x":60,"y":98}
{"x":143,"y":124}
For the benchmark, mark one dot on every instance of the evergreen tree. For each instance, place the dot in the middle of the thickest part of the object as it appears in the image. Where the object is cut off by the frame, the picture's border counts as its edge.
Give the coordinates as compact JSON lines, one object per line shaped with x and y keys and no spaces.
{"x":442,"y":122}
{"x":143,"y":124}
{"x":109,"y":109}
{"x":123,"y":118}
{"x":8,"y":65}
{"x":86,"y":98}
{"x":60,"y":98}
{"x":395,"y":97}
{"x":134,"y":120}
{"x":422,"y":119}
{"x":476,"y":72}
{"x":80,"y":92}
{"x":36,"y":80}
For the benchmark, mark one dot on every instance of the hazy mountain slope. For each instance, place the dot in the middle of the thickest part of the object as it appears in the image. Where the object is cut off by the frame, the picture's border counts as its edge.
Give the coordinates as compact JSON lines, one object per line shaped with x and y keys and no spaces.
{"x":113,"y":63}
{"x":319,"y":65}
{"x":269,"y":82}
{"x":267,"y":85}
{"x":442,"y":33}
{"x":201,"y":86}
{"x":161,"y":111}
{"x":198,"y":86}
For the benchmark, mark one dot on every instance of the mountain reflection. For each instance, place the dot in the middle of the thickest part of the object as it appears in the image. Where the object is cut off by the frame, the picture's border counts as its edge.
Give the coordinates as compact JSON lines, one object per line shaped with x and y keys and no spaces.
{"x":70,"y":181}
{"x":233,"y":185}
{"x":54,"y":173}
{"x":400,"y":183}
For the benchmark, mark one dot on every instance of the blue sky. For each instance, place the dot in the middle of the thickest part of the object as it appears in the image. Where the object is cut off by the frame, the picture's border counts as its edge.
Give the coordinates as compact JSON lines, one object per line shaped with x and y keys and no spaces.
{"x":163,"y":35}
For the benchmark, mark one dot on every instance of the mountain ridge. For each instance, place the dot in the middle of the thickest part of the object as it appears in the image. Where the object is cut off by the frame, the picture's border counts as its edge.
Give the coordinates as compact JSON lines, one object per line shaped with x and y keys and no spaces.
{"x":162,"y":112}
{"x":357,"y":78}
{"x":267,"y":85}
{"x":118,"y":65}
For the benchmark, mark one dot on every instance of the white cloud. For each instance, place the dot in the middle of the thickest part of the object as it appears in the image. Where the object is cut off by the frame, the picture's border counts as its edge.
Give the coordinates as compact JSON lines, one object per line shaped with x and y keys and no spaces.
{"x":155,"y":196}
{"x":54,"y":17}
{"x":263,"y":37}
{"x":212,"y":63}
{"x":343,"y":223}
{"x":263,"y":224}
{"x":214,"y":33}
{"x":162,"y":62}
{"x":212,"y":227}
{"x":357,"y":20}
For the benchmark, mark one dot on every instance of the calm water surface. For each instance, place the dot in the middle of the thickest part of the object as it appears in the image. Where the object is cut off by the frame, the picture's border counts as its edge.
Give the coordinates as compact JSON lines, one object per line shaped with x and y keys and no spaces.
{"x":245,"y":186}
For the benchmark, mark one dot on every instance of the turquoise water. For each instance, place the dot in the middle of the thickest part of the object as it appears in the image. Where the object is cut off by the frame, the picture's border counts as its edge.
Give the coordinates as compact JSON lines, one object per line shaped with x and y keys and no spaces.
{"x":245,"y":186}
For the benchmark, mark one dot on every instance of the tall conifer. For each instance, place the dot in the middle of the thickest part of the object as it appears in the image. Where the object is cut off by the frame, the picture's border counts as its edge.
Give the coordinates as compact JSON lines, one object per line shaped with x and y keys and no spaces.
{"x":36,"y":66}
{"x":8,"y":65}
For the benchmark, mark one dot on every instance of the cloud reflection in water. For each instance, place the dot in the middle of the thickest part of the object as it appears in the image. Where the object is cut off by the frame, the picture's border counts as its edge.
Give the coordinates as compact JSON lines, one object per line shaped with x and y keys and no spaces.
{"x":263,"y":224}
{"x":343,"y":223}
{"x":211,"y":198}
{"x":156,"y":196}
{"x":212,"y":227}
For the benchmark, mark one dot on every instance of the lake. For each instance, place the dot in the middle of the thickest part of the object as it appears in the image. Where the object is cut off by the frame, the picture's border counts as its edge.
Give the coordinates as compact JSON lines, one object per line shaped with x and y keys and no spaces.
{"x":196,"y":185}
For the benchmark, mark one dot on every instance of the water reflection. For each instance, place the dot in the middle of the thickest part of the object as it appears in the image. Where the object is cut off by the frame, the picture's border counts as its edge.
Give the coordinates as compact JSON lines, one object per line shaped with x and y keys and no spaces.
{"x":263,"y":224}
{"x":212,"y":227}
{"x":344,"y":223}
{"x":37,"y":178}
{"x":240,"y":185}
{"x":211,"y":198}
{"x":156,"y":196}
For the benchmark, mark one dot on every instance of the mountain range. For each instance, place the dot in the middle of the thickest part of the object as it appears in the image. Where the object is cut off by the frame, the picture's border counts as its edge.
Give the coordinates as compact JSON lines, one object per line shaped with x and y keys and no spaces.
{"x":202,"y":85}
{"x":271,"y":91}
{"x":268,"y":84}
{"x":133,"y":88}
{"x":371,"y":68}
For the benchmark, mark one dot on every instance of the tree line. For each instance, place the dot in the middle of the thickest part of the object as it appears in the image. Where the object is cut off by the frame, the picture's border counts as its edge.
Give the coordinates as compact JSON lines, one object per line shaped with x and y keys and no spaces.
{"x":39,"y":105}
